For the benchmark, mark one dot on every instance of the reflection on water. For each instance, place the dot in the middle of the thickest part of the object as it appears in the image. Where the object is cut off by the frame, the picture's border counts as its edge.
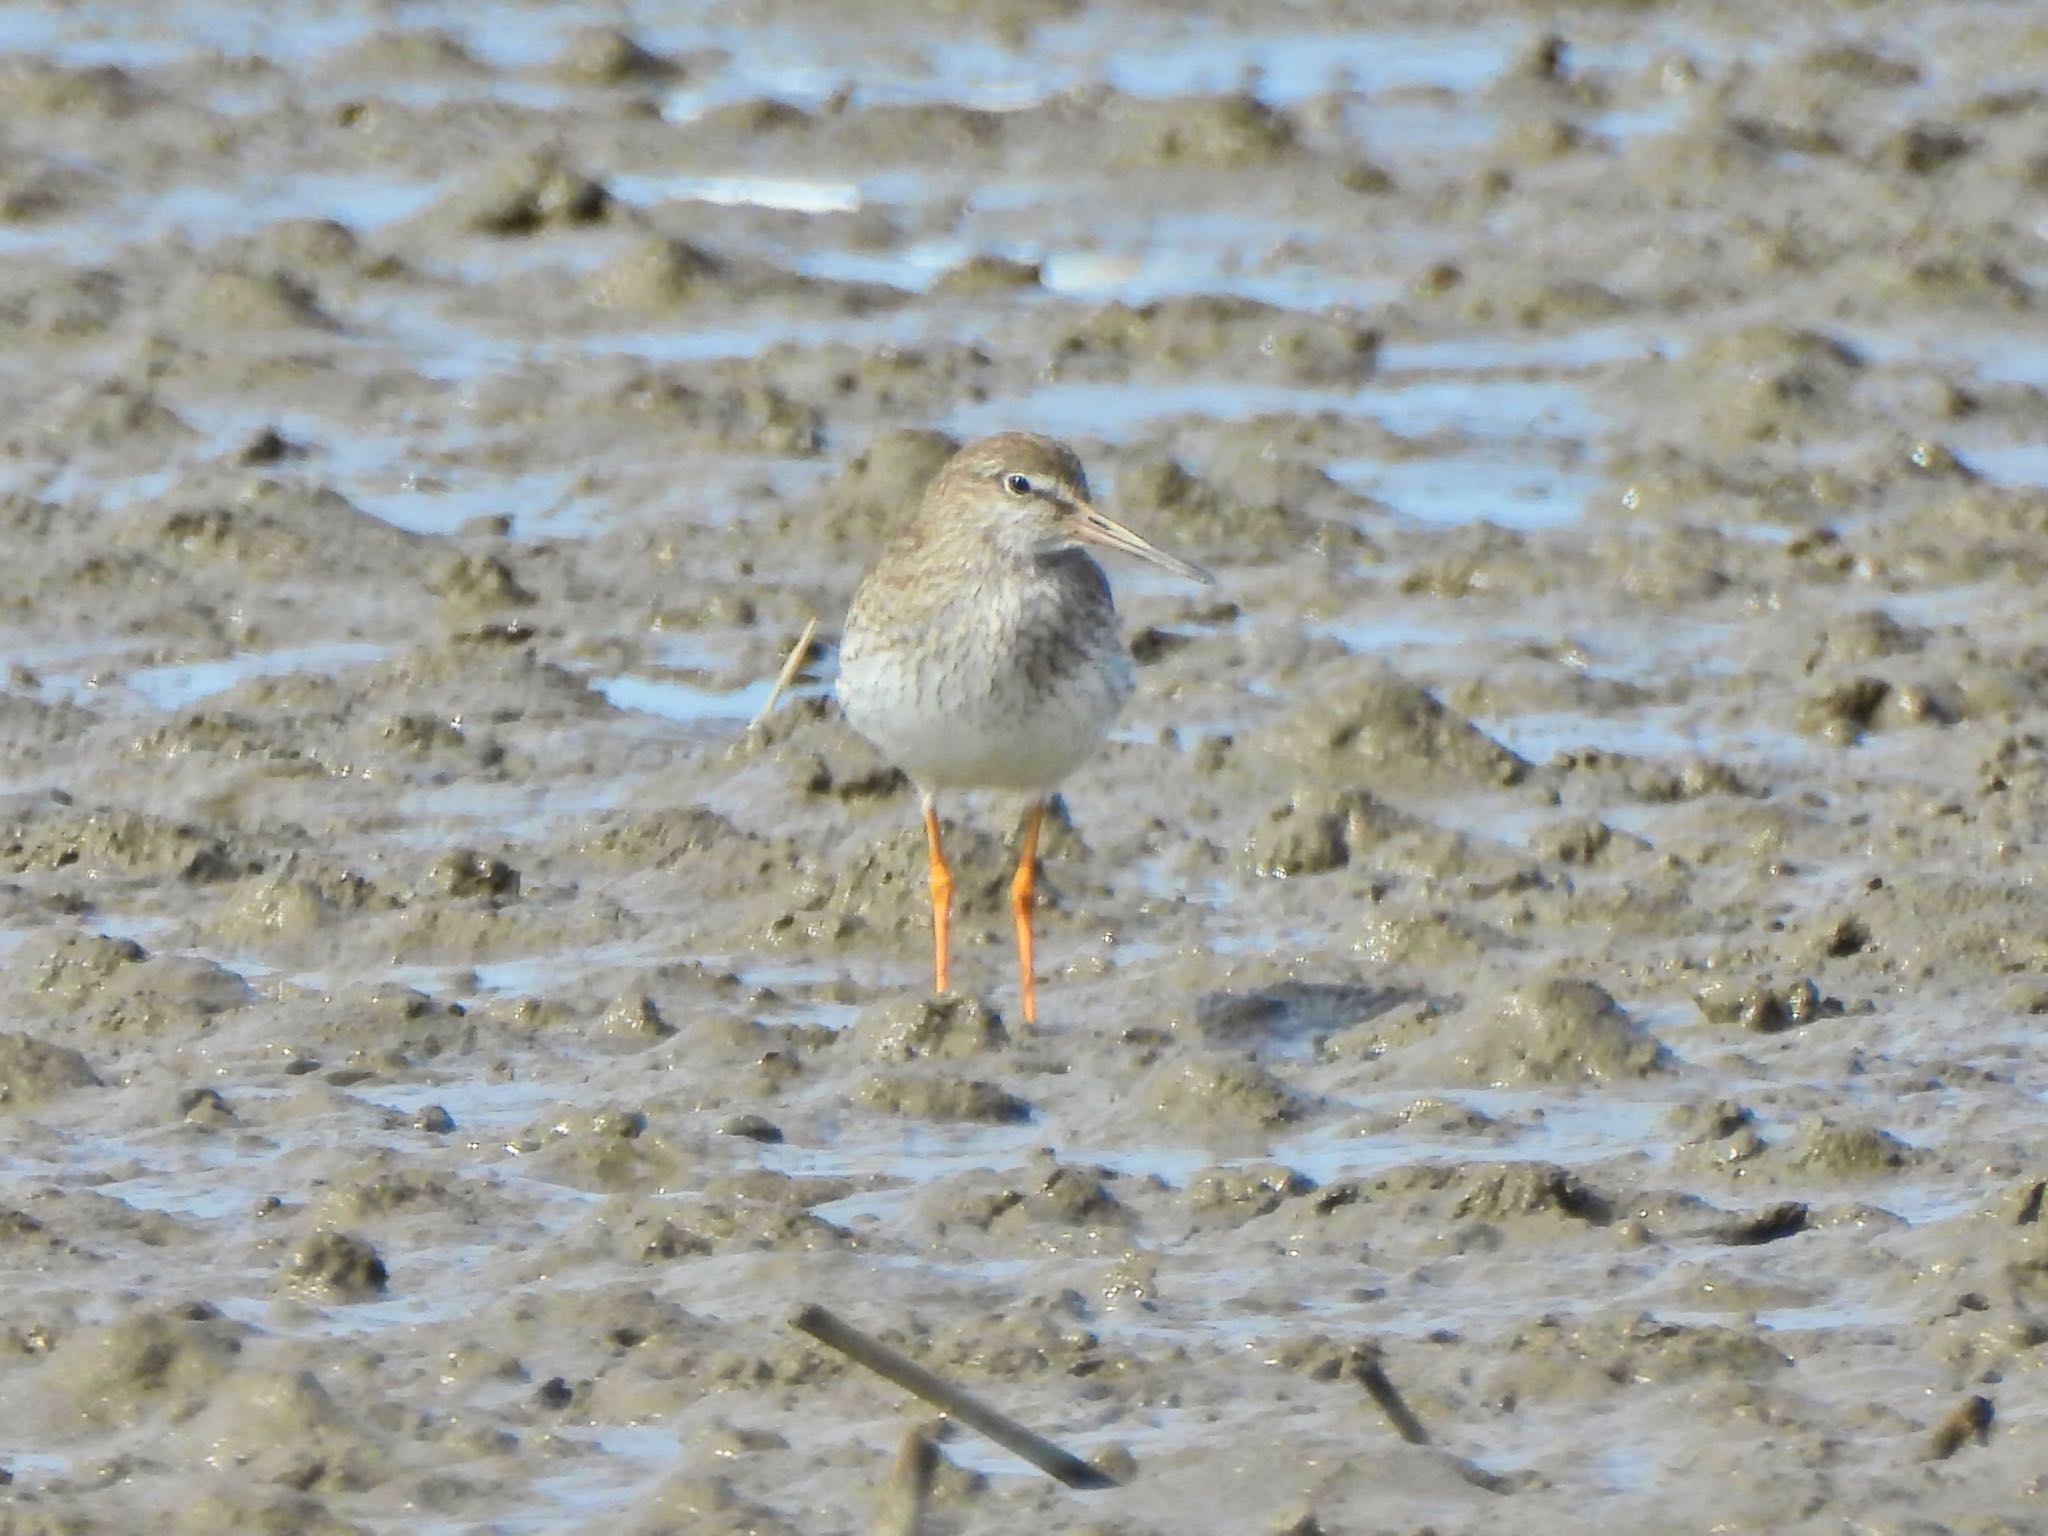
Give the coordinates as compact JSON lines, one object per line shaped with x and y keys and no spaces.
{"x":1473,"y":488}
{"x":174,"y":686}
{"x":685,"y":703}
{"x":1481,"y":406}
{"x":1648,"y":732}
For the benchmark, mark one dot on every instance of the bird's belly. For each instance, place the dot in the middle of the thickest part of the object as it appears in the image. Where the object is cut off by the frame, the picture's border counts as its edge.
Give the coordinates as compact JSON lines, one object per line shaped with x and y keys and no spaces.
{"x":1011,"y":732}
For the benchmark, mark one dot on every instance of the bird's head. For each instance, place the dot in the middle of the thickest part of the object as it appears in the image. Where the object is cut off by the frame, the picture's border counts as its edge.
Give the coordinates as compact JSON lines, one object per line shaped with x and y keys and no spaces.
{"x":1029,"y":495}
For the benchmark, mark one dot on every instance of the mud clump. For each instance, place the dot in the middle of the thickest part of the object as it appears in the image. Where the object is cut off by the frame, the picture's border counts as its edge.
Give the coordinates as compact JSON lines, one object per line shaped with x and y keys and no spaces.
{"x":731,"y":409}
{"x":1190,"y":513}
{"x":1288,"y":1014}
{"x":98,"y":843}
{"x":232,"y":300}
{"x":662,"y":839}
{"x":1319,"y":831}
{"x":40,"y":87}
{"x":284,"y":908}
{"x":1383,"y":730}
{"x":1570,"y":1358}
{"x":1211,"y":331}
{"x":633,"y":1018}
{"x":1246,"y":1192}
{"x":941,"y":1096}
{"x":33,"y":1071}
{"x":1203,"y":132}
{"x":1559,"y":1029}
{"x":932,"y":1028}
{"x":1770,"y":384}
{"x":469,"y":585}
{"x":1219,"y":1094}
{"x":1829,"y":1147}
{"x":1583,"y":842}
{"x":606,"y":56}
{"x":155,"y":1362}
{"x":1532,"y":1189}
{"x":1021,"y":1205}
{"x":525,"y":195}
{"x":1762,"y":1006}
{"x":283,"y":1425}
{"x":1844,"y":711}
{"x":338,"y":1265}
{"x":464,"y":874}
{"x":1303,"y":837}
{"x":1859,"y":639}
{"x":989,"y":275}
{"x":612,"y":1149}
{"x":877,"y":493}
{"x":90,"y":983}
{"x":656,"y":274}
{"x":75,"y":965}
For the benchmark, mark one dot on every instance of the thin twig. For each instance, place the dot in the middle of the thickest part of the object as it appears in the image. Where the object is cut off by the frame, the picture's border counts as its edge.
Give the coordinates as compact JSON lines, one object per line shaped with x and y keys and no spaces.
{"x":1365,"y":1365}
{"x":790,"y":667}
{"x":906,"y":1373}
{"x":1372,"y":1375}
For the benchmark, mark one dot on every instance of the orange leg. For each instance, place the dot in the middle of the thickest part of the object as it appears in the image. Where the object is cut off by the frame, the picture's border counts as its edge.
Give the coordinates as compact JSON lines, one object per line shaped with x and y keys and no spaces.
{"x":942,"y":895}
{"x":1023,"y":895}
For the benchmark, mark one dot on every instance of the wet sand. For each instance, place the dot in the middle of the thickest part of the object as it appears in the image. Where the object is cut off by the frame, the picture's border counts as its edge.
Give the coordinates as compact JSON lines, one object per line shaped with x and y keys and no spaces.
{"x":1561,"y":920}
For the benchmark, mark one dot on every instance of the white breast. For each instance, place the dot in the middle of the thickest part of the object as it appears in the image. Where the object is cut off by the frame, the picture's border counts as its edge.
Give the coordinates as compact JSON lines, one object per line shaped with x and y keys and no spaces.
{"x":1005,"y":703}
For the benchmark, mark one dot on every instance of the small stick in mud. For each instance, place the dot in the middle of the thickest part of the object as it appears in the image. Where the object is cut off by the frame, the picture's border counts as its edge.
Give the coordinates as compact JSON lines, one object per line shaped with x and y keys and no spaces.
{"x":1365,"y":1365}
{"x":798,"y":653}
{"x":910,"y":1485}
{"x":1366,"y":1368}
{"x":890,"y":1365}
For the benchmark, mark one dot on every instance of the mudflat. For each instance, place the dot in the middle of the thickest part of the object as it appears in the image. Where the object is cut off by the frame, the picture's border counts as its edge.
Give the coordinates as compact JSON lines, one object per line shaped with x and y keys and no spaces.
{"x":1559,"y":930}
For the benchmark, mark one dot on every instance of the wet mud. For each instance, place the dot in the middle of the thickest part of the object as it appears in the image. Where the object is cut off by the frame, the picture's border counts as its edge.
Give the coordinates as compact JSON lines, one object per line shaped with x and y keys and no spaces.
{"x":1558,"y":932}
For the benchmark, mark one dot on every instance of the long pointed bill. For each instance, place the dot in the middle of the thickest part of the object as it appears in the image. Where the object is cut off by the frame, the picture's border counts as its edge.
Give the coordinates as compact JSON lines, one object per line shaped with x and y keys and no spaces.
{"x":1093,"y":527}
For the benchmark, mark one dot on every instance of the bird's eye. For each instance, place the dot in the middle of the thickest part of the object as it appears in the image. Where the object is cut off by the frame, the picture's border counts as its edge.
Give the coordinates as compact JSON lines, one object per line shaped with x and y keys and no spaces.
{"x":1017,"y":485}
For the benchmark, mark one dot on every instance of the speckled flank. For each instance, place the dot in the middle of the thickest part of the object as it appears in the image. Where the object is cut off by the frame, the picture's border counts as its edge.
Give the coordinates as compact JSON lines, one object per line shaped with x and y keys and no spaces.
{"x":999,"y":686}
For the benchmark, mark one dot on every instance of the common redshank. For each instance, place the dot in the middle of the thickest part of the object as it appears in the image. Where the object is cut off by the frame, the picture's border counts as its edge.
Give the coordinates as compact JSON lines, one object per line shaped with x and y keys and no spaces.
{"x":982,"y":651}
